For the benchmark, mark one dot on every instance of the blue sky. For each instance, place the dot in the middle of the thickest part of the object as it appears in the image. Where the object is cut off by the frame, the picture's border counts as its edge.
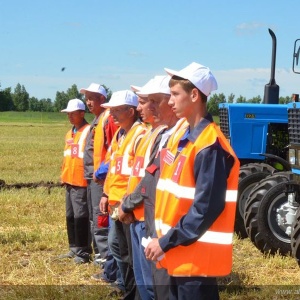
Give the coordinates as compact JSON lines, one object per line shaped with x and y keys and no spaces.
{"x":123,"y":43}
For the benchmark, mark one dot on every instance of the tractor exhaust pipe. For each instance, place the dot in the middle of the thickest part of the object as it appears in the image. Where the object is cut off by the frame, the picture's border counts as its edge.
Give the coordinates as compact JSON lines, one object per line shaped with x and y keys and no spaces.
{"x":271,"y":95}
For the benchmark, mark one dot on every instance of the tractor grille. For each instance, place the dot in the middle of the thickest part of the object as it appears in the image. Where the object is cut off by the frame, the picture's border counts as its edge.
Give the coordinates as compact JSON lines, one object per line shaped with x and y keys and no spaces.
{"x":224,"y":122}
{"x":294,"y":125}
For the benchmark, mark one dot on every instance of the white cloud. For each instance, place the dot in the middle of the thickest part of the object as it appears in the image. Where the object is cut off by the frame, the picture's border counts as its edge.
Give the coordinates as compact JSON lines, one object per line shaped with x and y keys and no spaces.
{"x":249,"y":28}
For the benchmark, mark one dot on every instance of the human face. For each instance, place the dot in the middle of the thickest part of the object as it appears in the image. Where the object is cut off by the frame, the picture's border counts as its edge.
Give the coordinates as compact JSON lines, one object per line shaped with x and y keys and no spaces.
{"x":76,"y":117}
{"x":93,"y":102}
{"x":121,"y":115}
{"x":144,"y":110}
{"x":181,"y":101}
{"x":162,"y":112}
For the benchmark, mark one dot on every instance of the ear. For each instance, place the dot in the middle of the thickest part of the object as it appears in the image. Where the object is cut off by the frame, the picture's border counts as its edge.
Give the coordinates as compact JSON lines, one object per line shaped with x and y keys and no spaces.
{"x":195,"y":94}
{"x":132,"y":111}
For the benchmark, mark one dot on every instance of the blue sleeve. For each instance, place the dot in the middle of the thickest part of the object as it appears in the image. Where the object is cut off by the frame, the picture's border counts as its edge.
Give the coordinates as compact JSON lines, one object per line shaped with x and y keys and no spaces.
{"x":211,"y":168}
{"x":102,"y":171}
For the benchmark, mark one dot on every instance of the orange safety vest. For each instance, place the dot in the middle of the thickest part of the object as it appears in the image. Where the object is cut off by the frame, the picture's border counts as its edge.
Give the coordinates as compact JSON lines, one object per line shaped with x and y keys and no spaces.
{"x":99,"y":149}
{"x":211,"y":254}
{"x":120,"y":155}
{"x":72,"y":168}
{"x":141,"y":161}
{"x":178,"y":131}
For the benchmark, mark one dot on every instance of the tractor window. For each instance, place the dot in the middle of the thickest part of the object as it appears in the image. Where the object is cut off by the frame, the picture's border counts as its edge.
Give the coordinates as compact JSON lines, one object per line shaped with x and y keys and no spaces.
{"x":296,"y":62}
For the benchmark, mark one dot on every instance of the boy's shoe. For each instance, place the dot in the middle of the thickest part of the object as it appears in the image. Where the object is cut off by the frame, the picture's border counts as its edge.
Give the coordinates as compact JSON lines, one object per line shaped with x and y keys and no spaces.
{"x":70,"y":254}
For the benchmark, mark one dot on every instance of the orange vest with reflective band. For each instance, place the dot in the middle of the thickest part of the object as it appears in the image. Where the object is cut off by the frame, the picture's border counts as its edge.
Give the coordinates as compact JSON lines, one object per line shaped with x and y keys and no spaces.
{"x":72,"y":168}
{"x":99,"y":149}
{"x":121,"y":155}
{"x":141,"y":161}
{"x":211,"y":254}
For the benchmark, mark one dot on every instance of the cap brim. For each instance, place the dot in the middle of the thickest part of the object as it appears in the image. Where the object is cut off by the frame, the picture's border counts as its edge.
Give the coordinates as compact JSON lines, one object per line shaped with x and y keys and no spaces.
{"x":107,"y":105}
{"x":143,"y":94}
{"x":173,"y":73}
{"x":83,"y":91}
{"x":135,"y":88}
{"x":147,"y":93}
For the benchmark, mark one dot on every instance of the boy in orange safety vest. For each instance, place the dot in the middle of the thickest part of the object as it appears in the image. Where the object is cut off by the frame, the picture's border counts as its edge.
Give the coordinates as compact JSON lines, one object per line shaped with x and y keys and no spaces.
{"x":196,"y":194}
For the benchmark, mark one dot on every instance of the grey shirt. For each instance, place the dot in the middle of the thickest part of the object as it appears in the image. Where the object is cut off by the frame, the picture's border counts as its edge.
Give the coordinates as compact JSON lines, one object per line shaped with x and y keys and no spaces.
{"x":88,"y":156}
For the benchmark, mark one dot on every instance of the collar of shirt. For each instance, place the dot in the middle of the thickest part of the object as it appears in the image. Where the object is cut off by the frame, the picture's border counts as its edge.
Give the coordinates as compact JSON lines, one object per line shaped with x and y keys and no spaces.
{"x":192,"y":136}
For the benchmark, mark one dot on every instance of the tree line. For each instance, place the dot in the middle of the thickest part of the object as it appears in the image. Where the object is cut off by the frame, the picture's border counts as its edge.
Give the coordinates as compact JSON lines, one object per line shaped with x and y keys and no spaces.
{"x":20,"y":100}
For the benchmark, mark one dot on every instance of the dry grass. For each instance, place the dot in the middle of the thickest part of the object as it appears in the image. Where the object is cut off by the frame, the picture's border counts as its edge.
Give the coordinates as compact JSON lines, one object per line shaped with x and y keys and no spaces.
{"x":33,"y":233}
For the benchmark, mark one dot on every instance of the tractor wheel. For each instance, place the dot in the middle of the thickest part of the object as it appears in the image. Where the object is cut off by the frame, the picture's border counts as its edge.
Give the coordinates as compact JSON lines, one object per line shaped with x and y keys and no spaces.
{"x":271,"y":238}
{"x":249,"y":176}
{"x":254,"y":200}
{"x":295,"y":238}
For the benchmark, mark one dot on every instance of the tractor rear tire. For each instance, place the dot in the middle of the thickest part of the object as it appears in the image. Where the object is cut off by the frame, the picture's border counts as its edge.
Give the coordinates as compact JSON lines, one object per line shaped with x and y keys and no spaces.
{"x":249,"y":176}
{"x":253,"y":203}
{"x":270,"y":237}
{"x":295,"y":238}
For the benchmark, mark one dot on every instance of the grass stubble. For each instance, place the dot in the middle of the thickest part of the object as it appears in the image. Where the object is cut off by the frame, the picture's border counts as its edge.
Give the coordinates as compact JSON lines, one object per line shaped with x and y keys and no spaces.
{"x":33,"y":232}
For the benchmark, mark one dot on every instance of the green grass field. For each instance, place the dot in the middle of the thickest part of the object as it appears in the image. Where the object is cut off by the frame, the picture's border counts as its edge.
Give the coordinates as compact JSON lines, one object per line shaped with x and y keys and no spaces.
{"x":33,"y":233}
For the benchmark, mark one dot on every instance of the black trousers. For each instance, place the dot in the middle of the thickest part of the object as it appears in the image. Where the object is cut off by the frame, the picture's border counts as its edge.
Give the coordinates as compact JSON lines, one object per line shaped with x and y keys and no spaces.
{"x":124,"y":239}
{"x":193,"y":288}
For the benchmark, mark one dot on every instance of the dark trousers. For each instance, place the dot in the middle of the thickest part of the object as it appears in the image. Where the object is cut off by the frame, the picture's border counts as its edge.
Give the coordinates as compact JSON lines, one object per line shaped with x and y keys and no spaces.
{"x":193,"y":288}
{"x":77,"y":219}
{"x":122,"y":232}
{"x":99,"y":230}
{"x":161,"y":282}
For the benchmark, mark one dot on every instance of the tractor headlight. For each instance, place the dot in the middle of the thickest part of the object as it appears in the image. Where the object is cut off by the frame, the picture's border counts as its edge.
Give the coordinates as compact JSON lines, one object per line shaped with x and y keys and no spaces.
{"x":292,"y":156}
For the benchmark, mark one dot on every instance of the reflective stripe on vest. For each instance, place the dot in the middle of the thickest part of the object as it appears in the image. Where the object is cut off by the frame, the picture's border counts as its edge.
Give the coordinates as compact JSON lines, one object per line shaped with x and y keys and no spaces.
{"x":211,"y":254}
{"x":222,"y":238}
{"x":188,"y":192}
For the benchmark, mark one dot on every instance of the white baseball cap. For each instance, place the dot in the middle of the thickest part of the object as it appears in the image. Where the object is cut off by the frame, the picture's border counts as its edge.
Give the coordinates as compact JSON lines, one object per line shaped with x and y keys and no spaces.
{"x":135,"y":88}
{"x":73,"y":105}
{"x":157,"y":85}
{"x":125,"y":97}
{"x":199,"y":75}
{"x":94,"y":88}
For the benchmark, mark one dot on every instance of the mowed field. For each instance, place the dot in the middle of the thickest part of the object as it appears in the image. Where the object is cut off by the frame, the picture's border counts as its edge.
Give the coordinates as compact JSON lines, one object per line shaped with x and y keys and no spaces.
{"x":33,"y":231}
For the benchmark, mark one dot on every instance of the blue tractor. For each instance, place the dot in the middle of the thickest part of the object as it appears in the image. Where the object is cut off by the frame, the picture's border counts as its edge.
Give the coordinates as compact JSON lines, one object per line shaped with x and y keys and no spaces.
{"x":259,"y":135}
{"x":272,"y":214}
{"x":292,"y":188}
